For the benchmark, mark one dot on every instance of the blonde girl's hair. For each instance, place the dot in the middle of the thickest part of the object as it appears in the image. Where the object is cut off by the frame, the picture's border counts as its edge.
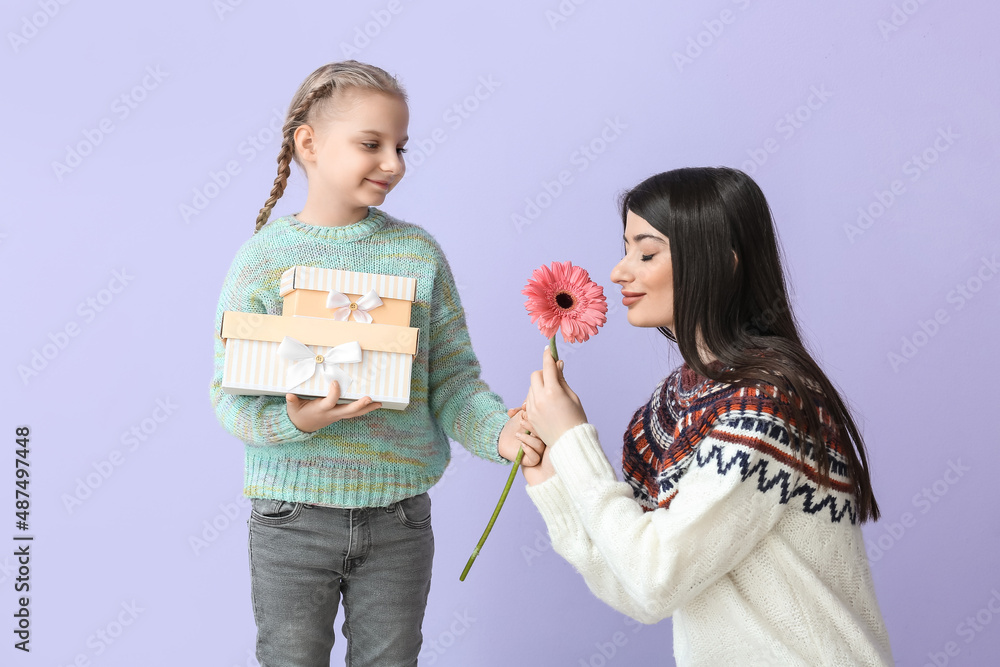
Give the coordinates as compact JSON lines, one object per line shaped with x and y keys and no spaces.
{"x":310,"y":101}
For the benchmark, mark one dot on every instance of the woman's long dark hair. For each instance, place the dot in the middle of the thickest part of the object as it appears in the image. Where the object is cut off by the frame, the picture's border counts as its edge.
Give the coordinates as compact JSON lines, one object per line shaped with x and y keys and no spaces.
{"x":730,"y":298}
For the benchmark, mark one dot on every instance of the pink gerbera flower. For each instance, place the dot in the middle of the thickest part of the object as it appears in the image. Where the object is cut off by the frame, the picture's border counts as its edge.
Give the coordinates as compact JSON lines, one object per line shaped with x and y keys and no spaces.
{"x":562,"y":297}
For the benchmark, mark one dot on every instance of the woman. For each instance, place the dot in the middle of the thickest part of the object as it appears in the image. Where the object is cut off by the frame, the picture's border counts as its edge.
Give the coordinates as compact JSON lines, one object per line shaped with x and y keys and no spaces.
{"x":747,"y":479}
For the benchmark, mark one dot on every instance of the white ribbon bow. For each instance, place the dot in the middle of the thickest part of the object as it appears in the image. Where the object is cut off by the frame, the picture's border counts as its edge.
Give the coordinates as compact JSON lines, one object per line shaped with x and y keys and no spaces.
{"x":305,"y":362}
{"x":342,"y":306}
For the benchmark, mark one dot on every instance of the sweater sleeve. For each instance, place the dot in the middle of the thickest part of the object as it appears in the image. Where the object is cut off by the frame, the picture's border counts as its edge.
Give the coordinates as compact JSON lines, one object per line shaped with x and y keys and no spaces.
{"x":649,"y":564}
{"x":460,"y":400}
{"x":256,"y":420}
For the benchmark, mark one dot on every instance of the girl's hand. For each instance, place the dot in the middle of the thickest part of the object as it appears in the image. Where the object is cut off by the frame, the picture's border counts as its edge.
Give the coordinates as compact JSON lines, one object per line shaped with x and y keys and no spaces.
{"x":544,"y":470}
{"x":514,"y":436}
{"x":311,"y":415}
{"x":553,"y":408}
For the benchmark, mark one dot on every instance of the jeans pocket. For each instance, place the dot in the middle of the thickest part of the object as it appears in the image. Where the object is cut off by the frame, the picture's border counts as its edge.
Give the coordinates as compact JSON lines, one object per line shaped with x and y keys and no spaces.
{"x":415,"y":512}
{"x":272,"y":512}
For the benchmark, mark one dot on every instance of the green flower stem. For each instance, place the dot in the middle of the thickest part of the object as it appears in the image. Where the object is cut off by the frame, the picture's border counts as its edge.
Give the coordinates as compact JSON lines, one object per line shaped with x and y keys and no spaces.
{"x":506,"y":489}
{"x":552,"y":348}
{"x":496,"y":513}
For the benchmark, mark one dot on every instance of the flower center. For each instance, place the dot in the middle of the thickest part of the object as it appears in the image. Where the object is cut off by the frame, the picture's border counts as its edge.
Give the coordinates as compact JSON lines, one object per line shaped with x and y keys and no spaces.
{"x":565,"y":300}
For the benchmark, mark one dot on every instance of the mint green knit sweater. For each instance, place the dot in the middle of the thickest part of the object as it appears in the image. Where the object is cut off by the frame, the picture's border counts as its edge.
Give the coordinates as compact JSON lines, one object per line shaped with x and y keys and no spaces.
{"x":386,"y":455}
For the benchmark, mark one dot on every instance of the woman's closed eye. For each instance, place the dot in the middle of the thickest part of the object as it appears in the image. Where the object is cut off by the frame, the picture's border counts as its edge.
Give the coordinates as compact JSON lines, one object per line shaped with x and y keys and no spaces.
{"x":646,"y":258}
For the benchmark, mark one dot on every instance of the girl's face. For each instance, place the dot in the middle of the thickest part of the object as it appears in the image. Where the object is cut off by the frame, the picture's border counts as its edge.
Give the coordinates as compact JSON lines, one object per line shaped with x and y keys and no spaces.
{"x":646,"y":275}
{"x":354,"y":156}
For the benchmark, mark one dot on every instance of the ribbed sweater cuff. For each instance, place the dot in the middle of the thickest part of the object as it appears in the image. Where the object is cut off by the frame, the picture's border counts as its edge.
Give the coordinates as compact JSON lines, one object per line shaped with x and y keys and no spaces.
{"x":493,"y":426}
{"x":285,"y":430}
{"x":578,"y":458}
{"x":554,"y":504}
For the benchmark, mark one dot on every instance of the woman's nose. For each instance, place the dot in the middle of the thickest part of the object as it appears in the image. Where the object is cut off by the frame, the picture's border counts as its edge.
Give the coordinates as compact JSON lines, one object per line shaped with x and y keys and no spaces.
{"x":618,"y":273}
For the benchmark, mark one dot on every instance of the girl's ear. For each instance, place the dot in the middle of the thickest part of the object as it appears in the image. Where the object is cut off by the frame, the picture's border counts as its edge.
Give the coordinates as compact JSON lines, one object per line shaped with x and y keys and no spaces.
{"x":305,"y":143}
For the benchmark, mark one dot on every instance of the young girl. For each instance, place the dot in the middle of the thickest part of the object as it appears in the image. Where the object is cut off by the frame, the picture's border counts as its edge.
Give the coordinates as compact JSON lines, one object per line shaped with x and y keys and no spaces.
{"x":339,"y":502}
{"x":747,"y":477}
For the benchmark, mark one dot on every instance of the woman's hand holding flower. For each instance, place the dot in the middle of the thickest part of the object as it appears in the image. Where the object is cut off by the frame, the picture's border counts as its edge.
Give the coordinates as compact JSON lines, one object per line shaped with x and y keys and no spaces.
{"x":552,"y":406}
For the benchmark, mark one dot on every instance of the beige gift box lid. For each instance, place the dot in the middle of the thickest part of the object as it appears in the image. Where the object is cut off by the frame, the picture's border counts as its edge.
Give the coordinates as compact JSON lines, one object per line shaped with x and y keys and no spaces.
{"x":305,"y":288}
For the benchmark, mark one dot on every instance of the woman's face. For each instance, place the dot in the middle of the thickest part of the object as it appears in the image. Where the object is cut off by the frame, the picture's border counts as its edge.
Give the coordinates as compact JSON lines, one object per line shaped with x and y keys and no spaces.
{"x":646,"y":275}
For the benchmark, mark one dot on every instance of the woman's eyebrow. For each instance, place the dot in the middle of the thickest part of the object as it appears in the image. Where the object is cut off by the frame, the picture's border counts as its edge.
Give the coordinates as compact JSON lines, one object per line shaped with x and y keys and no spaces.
{"x":640,"y":237}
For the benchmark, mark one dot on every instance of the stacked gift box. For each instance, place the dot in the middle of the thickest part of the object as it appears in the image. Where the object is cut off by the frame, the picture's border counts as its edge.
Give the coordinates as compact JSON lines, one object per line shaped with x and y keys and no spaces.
{"x":335,"y":325}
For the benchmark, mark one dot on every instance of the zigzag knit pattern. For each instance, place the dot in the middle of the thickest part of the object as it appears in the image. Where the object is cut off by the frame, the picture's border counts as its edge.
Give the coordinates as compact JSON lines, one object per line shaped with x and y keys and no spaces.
{"x":386,"y":455}
{"x":692,"y":420}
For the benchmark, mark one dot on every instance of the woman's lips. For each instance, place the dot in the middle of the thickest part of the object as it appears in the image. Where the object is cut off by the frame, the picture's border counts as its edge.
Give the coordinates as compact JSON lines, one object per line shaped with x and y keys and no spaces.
{"x":382,"y":184}
{"x":628,"y":298}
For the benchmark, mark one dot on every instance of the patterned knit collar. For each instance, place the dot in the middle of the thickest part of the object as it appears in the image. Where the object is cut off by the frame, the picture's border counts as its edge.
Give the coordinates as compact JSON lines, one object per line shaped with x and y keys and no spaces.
{"x":367,"y":226}
{"x":687,"y":386}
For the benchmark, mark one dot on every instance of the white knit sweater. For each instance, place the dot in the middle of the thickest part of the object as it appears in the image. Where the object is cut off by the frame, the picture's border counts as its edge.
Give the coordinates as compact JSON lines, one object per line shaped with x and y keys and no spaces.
{"x":748,"y":580}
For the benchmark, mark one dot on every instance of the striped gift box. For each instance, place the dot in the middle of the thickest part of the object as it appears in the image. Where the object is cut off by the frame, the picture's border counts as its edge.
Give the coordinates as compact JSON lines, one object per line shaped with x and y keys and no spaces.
{"x":254,"y":367}
{"x":305,"y":288}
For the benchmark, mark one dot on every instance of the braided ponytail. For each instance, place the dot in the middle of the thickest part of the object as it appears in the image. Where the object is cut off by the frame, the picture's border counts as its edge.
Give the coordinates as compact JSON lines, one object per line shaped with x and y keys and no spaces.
{"x":318,"y":86}
{"x":284,"y":171}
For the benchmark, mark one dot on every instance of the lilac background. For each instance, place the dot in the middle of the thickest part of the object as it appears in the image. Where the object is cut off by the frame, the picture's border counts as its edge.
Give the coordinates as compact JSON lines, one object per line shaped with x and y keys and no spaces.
{"x":887,"y":92}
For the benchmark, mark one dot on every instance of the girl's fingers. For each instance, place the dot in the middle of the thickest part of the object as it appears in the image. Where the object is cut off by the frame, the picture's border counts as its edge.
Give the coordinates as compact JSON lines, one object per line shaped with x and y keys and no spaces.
{"x":356,"y":408}
{"x":533,"y":448}
{"x":525,"y":422}
{"x":332,"y":395}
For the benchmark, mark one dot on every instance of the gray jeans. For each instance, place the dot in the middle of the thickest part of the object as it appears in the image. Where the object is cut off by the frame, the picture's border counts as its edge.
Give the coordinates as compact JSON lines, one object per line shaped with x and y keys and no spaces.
{"x":305,"y":558}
